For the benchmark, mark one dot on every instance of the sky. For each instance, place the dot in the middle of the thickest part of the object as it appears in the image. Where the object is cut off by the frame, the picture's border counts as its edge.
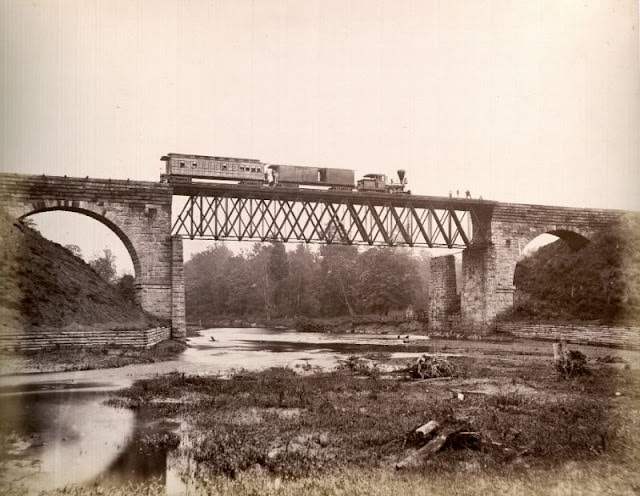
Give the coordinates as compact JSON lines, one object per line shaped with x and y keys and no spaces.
{"x":516,"y":100}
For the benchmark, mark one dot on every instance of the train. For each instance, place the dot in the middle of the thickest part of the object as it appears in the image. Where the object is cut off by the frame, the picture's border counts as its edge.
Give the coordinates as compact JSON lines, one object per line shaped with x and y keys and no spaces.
{"x":181,"y":168}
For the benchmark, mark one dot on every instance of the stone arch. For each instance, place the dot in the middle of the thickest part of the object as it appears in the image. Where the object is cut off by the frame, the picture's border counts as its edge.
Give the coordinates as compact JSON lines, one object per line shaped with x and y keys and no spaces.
{"x":86,"y":208}
{"x":574,"y":239}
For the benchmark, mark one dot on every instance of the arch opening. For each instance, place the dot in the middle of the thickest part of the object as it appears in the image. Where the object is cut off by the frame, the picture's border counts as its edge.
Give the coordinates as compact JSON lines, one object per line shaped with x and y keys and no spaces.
{"x":89,"y":236}
{"x":574,"y":240}
{"x":564,"y":276}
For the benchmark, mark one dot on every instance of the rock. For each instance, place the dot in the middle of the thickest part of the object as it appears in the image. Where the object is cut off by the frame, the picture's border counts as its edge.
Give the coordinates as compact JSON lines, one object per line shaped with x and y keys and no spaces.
{"x":323,"y":440}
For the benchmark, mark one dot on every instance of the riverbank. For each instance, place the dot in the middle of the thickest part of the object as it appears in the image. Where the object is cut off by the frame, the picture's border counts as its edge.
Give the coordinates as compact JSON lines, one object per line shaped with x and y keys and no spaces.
{"x":70,"y":359}
{"x":290,"y":431}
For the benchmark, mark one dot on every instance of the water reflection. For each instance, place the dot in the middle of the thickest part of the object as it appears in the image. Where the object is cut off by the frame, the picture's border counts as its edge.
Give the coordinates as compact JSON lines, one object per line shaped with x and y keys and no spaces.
{"x":59,"y":438}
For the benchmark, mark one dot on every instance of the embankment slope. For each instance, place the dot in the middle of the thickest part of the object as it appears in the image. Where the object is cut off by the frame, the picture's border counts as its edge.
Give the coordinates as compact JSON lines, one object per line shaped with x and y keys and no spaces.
{"x":44,"y":286}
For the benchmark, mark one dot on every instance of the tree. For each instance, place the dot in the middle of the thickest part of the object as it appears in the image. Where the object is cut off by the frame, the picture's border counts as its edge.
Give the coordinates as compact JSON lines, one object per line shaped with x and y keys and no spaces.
{"x":278,"y":272}
{"x":258,"y":266}
{"x":105,"y":266}
{"x":125,"y":287}
{"x":205,"y":291}
{"x":338,"y":276}
{"x":240,"y":295}
{"x":388,"y":280}
{"x":75,"y":250}
{"x":301,"y":284}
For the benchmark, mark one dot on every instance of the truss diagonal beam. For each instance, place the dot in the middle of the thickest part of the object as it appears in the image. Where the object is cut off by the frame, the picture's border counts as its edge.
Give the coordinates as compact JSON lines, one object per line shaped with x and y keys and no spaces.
{"x":355,"y":219}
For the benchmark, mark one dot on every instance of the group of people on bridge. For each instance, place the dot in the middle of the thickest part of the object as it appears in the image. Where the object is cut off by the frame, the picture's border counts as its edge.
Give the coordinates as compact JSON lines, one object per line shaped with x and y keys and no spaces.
{"x":467,"y":194}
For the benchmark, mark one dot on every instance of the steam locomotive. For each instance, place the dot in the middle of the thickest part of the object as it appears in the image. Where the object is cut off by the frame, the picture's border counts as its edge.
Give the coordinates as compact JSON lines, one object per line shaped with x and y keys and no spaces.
{"x":183,"y":168}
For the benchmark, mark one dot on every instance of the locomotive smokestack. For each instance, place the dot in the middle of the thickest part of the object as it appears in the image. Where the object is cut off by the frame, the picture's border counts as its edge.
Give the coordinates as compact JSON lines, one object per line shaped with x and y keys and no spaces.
{"x":401,"y":173}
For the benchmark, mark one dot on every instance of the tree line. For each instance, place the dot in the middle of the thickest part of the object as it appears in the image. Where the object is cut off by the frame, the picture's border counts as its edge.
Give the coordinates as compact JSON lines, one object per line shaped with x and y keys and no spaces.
{"x":268,"y":281}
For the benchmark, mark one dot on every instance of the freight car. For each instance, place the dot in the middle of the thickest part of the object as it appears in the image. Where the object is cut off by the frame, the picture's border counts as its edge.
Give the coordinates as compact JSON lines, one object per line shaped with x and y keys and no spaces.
{"x":312,"y":176}
{"x":182,"y":168}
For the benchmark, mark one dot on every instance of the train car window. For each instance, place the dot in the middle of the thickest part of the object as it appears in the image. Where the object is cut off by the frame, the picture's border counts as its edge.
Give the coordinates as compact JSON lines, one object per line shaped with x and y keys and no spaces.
{"x":194,"y":164}
{"x":253,"y":169}
{"x":224,"y":167}
{"x":182,"y":165}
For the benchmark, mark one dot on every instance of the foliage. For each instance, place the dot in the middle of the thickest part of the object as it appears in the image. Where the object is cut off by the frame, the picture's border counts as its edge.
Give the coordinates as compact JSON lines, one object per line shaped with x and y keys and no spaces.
{"x":270,"y":282}
{"x":387,"y":280}
{"x":75,"y":250}
{"x":601,"y":281}
{"x":204,"y":294}
{"x":125,"y":288}
{"x":105,"y":265}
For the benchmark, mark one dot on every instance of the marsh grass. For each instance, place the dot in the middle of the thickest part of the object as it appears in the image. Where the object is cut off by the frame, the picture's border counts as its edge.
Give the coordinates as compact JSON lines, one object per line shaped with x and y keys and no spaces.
{"x":348,"y":419}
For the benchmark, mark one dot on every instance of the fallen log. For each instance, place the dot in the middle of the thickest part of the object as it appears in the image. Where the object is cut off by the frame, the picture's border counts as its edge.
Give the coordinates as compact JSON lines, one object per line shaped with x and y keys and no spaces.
{"x":449,"y":439}
{"x":426,"y":431}
{"x":432,"y":447}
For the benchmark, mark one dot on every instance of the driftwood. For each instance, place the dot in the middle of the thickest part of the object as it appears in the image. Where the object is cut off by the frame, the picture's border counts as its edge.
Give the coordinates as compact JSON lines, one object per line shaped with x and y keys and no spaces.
{"x":428,"y":367}
{"x":428,"y":449}
{"x":568,"y":362}
{"x":426,"y":431}
{"x":447,"y":439}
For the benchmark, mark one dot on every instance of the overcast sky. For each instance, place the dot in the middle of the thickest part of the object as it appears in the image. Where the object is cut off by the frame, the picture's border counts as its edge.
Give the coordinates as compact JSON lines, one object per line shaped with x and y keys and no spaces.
{"x":517,"y":100}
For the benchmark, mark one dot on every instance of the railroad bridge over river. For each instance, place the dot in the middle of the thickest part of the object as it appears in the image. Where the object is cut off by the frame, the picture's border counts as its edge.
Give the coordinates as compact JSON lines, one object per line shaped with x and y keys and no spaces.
{"x":491,"y":234}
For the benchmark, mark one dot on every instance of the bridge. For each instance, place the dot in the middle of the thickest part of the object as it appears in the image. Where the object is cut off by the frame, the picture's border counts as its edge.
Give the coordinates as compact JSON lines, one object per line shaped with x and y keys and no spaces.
{"x":242,"y":212}
{"x":491,"y":234}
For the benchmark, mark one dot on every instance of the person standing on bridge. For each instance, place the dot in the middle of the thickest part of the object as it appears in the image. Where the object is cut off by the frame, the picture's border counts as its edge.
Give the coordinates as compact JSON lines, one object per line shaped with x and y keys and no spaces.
{"x":467,"y":194}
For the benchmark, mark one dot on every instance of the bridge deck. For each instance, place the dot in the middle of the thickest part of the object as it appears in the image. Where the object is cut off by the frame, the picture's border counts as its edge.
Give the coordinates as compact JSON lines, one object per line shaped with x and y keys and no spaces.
{"x":308,"y":194}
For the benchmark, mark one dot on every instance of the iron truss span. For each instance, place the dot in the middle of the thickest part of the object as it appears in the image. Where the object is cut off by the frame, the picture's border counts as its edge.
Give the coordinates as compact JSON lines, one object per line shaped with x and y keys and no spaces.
{"x":258,"y":213}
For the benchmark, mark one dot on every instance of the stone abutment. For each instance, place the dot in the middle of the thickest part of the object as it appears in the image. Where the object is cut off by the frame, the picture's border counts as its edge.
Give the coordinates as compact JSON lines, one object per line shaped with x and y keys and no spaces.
{"x":138,"y":212}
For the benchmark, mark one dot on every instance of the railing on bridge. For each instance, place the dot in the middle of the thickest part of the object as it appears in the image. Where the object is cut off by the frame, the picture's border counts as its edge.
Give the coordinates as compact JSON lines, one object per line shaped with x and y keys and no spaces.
{"x":254,"y":213}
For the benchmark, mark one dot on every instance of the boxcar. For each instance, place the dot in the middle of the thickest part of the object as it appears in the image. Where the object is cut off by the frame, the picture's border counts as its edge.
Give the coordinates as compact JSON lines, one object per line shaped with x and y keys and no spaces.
{"x":313,"y":176}
{"x":341,"y":178}
{"x":295,"y":174}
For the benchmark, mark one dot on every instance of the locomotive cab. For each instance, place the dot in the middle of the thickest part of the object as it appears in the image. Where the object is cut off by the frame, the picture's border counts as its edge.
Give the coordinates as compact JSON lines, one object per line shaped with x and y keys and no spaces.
{"x":382,"y":184}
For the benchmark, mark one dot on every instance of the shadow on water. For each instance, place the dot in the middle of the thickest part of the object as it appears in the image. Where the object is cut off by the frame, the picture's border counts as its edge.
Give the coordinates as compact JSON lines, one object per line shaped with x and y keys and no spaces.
{"x":145,"y":456}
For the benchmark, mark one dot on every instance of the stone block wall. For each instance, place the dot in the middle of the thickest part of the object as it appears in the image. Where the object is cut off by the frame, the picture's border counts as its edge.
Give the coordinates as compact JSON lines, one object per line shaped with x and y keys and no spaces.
{"x":626,"y":337}
{"x":58,"y":338}
{"x":178,"y":320}
{"x":443,"y":296}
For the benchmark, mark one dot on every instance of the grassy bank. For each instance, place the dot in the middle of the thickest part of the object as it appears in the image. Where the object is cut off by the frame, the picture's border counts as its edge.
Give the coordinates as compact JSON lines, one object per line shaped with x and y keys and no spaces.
{"x":65,"y":359}
{"x":584,"y":478}
{"x":344,"y":431}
